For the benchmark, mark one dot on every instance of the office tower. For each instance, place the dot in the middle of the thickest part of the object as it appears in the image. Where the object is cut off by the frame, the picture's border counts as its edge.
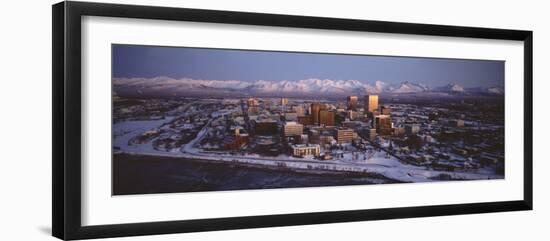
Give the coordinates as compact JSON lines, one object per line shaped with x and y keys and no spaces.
{"x":292,"y":128}
{"x":253,"y":106}
{"x":300,"y":111}
{"x":371,"y":103}
{"x":383,"y":124}
{"x":315,"y":109}
{"x":236,"y":141}
{"x":265,"y":127}
{"x":344,"y":135}
{"x":252,"y":102}
{"x":326,"y":117}
{"x":352,"y":102}
{"x":305,"y":120}
{"x":284,"y":101}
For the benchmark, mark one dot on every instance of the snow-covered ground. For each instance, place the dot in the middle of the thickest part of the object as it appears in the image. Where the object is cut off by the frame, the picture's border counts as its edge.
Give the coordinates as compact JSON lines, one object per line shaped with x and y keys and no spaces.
{"x":377,"y":162}
{"x":124,"y":131}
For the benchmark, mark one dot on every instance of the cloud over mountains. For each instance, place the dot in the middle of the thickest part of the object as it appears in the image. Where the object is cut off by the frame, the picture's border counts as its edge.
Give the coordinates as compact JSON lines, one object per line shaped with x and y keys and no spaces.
{"x":305,"y":87}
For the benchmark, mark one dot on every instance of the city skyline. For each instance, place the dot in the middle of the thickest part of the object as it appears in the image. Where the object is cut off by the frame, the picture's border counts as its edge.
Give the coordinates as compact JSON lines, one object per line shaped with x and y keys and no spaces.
{"x":196,"y":132}
{"x":251,"y":66}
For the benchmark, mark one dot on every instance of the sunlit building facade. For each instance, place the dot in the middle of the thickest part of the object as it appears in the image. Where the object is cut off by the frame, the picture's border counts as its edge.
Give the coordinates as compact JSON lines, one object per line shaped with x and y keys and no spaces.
{"x":344,"y":135}
{"x":293,"y":129}
{"x":371,"y":103}
{"x":315,"y":109}
{"x":300,"y":111}
{"x":284,"y":101}
{"x":302,"y":150}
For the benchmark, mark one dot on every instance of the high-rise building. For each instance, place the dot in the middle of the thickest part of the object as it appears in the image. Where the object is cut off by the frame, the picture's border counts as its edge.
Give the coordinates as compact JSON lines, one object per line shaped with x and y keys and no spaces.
{"x":300,"y":111}
{"x":292,"y":128}
{"x":284,"y":101}
{"x":371,"y":103}
{"x":352,"y":102}
{"x":315,"y":109}
{"x":265,"y":127}
{"x":253,"y":106}
{"x":326,"y":117}
{"x":344,"y":135}
{"x":305,"y":120}
{"x":314,"y":136}
{"x":383,"y":124}
{"x":235,"y":141}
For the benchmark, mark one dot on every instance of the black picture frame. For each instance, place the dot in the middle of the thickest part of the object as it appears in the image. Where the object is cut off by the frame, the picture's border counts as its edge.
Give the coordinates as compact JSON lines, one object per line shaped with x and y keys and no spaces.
{"x":66,"y":128}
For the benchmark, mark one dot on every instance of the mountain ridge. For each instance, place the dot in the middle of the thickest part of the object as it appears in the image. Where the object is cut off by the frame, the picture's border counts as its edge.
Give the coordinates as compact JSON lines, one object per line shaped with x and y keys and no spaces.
{"x":311,"y":86}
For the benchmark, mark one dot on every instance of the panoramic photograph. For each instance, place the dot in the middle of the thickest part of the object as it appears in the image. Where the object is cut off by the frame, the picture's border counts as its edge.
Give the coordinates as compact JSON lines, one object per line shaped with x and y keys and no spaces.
{"x":187,"y":119}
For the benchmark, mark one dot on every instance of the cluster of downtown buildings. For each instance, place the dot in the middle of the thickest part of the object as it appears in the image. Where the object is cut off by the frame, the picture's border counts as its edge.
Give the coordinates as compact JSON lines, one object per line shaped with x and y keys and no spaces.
{"x":454,"y":135}
{"x":311,"y":128}
{"x":441,"y":137}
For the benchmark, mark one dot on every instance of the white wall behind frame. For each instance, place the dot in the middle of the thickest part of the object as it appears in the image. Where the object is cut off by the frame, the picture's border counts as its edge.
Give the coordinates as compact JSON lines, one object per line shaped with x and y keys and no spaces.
{"x":25,"y":177}
{"x":100,"y":32}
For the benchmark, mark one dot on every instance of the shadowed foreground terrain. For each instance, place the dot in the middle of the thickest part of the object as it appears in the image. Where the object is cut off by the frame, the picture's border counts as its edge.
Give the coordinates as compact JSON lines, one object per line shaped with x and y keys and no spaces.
{"x":134,"y":174}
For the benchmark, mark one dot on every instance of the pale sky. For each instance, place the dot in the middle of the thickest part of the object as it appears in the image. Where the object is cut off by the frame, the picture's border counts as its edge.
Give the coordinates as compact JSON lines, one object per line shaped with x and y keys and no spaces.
{"x":249,"y":65}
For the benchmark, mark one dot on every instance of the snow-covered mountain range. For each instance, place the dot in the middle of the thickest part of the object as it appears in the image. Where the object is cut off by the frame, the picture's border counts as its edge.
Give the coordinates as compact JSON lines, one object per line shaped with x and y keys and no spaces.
{"x":450,"y":88}
{"x":297,"y":87}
